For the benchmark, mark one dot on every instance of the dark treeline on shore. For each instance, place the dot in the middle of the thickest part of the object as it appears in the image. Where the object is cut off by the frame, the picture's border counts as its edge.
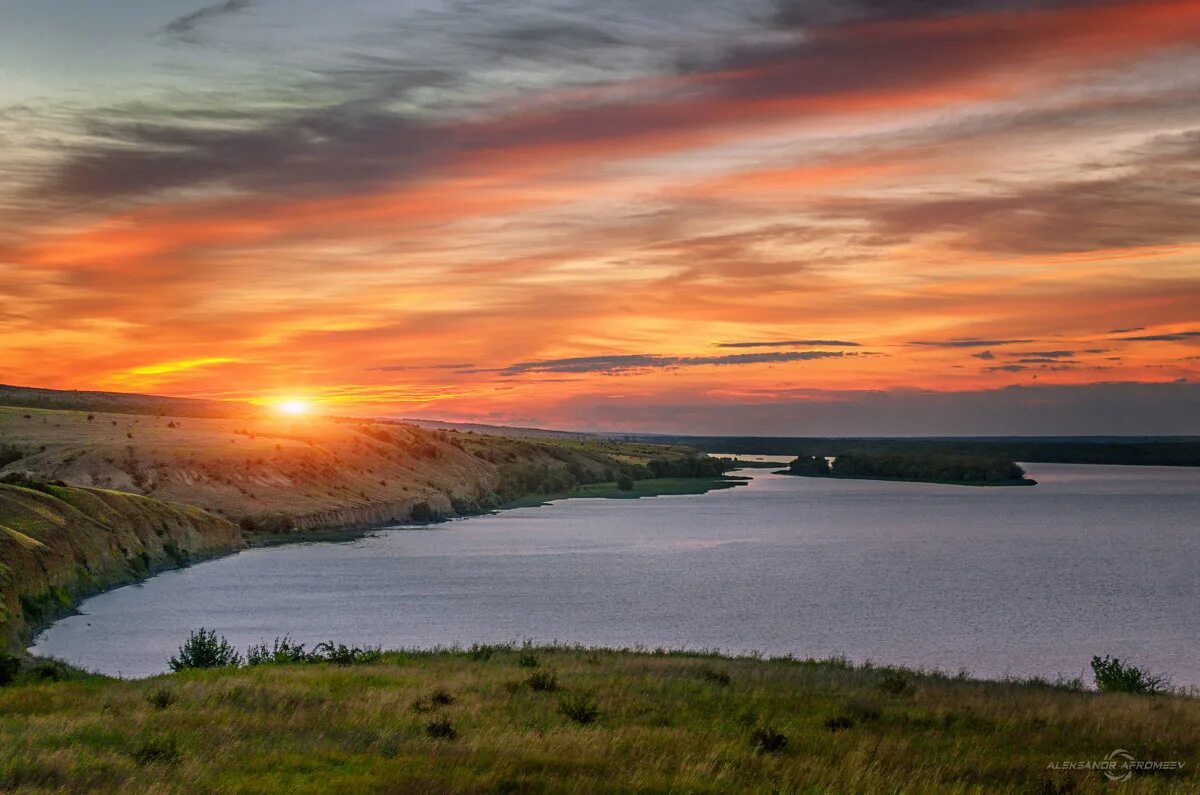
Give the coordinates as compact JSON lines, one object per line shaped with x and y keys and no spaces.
{"x":933,"y":468}
{"x":1139,"y":451}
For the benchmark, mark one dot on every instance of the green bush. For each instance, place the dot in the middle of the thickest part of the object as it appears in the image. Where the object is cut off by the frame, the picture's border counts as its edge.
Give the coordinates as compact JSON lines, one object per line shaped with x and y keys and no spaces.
{"x":768,"y":740}
{"x":422,"y":512}
{"x":543,"y":682}
{"x":894,"y":684}
{"x":341,"y":654}
{"x":283,"y":651}
{"x":441,"y":729}
{"x":839,"y":722}
{"x":161,"y":698}
{"x":203,"y":649}
{"x":625,"y":483}
{"x":580,"y":708}
{"x":1114,"y":676}
{"x":716,"y":676}
{"x":528,"y":660}
{"x":10,"y":666}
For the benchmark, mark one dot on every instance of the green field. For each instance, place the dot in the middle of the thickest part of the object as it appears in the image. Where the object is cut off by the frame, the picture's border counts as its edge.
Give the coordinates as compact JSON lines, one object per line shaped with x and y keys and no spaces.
{"x":653,"y":487}
{"x":508,"y":720}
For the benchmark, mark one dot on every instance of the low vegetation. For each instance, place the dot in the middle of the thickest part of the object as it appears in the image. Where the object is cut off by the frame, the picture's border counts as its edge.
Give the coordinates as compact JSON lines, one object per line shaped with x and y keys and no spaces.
{"x":613,"y":721}
{"x":1114,"y":676}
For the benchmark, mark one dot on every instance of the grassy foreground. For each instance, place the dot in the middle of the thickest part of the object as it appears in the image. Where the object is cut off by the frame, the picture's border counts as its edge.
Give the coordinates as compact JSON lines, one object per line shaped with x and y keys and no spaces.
{"x":575,"y":720}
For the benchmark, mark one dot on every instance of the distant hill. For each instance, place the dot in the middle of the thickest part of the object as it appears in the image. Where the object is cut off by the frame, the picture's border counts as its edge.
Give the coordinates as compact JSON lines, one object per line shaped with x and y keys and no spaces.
{"x":123,"y":403}
{"x":503,"y":430}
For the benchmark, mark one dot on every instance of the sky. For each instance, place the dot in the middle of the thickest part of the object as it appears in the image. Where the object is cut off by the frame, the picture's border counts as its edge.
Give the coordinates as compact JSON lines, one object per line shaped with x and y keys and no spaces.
{"x":770,"y":217}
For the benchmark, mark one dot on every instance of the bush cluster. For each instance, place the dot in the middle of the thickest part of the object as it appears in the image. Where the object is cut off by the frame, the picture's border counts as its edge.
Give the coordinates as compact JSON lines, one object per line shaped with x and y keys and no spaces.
{"x":204,"y":649}
{"x":1114,"y":676}
{"x":910,"y":466}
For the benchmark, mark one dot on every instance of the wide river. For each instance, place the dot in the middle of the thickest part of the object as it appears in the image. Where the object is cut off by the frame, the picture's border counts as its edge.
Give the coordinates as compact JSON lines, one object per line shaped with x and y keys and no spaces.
{"x":996,"y":581}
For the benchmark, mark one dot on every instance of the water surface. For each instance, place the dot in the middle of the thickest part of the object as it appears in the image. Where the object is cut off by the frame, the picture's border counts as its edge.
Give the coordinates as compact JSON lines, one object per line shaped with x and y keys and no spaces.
{"x":997,"y":581}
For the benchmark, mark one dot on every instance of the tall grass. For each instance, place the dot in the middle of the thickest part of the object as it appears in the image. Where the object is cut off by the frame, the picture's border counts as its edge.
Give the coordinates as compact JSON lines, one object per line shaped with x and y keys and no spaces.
{"x":617,"y":722}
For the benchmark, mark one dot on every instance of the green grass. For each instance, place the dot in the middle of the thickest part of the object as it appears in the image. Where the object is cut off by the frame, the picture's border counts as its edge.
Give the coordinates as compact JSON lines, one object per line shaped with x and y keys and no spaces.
{"x":614,"y":722}
{"x":652,"y":487}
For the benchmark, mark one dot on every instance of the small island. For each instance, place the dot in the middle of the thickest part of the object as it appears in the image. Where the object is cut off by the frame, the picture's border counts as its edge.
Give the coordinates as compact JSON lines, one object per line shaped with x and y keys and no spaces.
{"x":958,"y":470}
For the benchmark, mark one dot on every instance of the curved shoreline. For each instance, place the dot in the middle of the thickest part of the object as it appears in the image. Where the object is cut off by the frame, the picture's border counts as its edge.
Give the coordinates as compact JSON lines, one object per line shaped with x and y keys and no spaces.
{"x":644,"y":488}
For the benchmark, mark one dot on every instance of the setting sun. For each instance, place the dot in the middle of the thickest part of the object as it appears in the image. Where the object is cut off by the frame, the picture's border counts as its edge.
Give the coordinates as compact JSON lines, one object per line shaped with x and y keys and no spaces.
{"x":293,"y":408}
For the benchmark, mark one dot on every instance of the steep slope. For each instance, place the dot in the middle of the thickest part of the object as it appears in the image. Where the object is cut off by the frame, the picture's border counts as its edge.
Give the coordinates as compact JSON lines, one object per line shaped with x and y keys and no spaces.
{"x":59,"y":544}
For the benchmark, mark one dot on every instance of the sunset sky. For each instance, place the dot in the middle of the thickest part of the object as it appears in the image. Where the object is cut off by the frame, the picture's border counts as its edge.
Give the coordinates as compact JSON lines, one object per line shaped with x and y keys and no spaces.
{"x":792,"y":218}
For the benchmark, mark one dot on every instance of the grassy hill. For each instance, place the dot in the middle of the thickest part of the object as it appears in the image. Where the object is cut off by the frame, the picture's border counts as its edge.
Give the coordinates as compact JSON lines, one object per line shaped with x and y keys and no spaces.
{"x":573,"y":720}
{"x":309,"y":473}
{"x":59,"y":544}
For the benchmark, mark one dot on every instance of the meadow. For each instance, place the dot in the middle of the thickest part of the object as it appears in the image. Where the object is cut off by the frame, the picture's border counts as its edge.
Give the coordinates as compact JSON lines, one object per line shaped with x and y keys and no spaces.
{"x":557,"y":719}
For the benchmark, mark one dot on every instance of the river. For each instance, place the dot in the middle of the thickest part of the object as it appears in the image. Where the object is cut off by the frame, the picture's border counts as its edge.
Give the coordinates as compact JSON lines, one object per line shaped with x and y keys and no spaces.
{"x":994,"y":581}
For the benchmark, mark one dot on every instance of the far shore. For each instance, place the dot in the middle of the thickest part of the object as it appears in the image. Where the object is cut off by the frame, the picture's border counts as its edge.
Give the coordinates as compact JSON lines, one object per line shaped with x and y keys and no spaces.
{"x":998,"y":483}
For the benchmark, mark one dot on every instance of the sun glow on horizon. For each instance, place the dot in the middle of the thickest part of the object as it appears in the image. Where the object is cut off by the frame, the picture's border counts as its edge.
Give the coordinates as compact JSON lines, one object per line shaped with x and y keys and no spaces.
{"x":293,"y":408}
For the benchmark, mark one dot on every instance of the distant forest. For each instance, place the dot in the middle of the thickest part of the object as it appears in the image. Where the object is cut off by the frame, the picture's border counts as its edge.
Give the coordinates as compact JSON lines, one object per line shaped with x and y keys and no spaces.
{"x":1141,"y":451}
{"x":927,"y":467}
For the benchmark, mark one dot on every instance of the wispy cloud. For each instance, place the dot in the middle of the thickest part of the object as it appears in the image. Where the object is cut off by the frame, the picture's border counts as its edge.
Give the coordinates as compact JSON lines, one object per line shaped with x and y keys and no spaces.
{"x":967,"y":343}
{"x":641,"y":361}
{"x":184,"y":28}
{"x":791,"y":344}
{"x":403,"y":368}
{"x":1175,"y":336}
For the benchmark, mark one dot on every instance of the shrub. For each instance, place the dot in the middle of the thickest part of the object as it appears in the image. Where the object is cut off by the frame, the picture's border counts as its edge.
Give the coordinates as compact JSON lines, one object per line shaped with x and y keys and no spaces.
{"x":894,"y":683}
{"x":543,"y":682}
{"x":625,"y":483}
{"x":283,"y":651}
{"x":716,"y":676}
{"x":340,"y":654}
{"x":580,"y":708}
{"x":1114,"y":676}
{"x":203,"y":649}
{"x":441,"y":729}
{"x":157,"y":749}
{"x":50,"y":671}
{"x":161,"y":698}
{"x":441,"y":697}
{"x":422,"y":512}
{"x":481,"y":652}
{"x":839,"y":722}
{"x":10,"y":666}
{"x":768,"y":740}
{"x":528,"y":660}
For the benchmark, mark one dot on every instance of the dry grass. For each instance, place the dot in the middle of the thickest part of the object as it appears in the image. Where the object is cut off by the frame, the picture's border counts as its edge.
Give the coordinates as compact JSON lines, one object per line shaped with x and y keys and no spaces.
{"x":664,"y":724}
{"x":323,"y":473}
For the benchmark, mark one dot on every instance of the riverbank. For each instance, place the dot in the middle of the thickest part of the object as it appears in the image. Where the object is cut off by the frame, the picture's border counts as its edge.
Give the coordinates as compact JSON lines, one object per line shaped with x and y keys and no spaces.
{"x":652,"y":487}
{"x":514,"y":719}
{"x":59,"y":545}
